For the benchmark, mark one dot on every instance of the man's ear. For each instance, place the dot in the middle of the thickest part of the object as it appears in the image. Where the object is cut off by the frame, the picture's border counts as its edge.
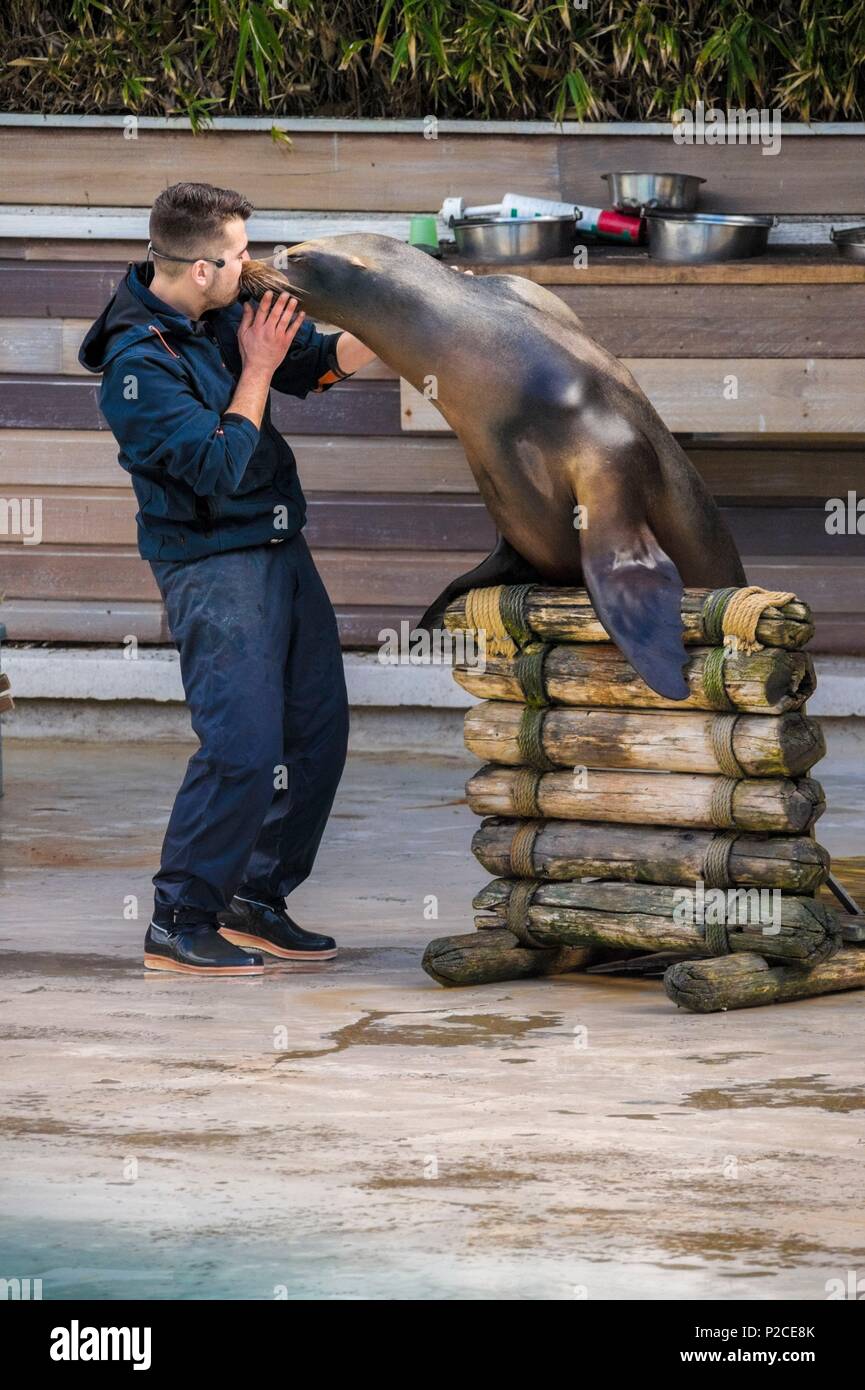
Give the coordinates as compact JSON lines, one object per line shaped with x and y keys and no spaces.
{"x":198,"y":273}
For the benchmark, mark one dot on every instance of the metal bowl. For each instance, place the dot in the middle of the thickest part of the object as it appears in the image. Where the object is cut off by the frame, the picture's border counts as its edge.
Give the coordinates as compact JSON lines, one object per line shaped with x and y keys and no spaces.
{"x":849,"y":242}
{"x":514,"y":238}
{"x":690,"y":238}
{"x":633,"y":192}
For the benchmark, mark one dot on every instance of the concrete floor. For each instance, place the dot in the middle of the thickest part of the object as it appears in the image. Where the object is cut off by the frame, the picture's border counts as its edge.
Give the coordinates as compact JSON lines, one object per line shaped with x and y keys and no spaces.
{"x":350,"y":1130}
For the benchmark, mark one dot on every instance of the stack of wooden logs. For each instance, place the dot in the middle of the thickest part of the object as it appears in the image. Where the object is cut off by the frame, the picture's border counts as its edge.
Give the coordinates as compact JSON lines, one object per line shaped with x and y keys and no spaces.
{"x":613,"y":815}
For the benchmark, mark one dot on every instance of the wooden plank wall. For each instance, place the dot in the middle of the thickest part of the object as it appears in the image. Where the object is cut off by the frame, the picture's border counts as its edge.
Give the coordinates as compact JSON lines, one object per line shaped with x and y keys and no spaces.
{"x":393,"y":172}
{"x":393,"y":512}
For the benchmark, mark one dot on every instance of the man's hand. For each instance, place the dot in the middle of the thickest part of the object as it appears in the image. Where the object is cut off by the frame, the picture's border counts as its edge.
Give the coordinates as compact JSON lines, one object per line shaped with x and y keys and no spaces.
{"x":265,"y":335}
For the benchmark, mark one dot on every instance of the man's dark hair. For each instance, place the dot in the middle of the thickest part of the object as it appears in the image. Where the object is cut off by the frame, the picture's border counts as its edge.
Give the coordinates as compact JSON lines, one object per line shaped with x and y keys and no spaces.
{"x":186,"y":219}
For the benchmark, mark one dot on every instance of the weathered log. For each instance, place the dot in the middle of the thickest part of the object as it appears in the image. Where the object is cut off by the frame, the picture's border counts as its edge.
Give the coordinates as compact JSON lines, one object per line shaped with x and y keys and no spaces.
{"x":484,"y":958}
{"x":642,"y":917}
{"x":761,"y":745}
{"x":748,"y":980}
{"x":565,"y":850}
{"x":567,"y":615}
{"x":781,"y":805}
{"x":596,"y":674}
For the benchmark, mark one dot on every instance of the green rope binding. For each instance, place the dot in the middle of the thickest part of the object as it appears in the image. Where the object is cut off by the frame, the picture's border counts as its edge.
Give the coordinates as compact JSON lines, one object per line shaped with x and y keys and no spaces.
{"x":712,"y":615}
{"x":521,"y":896}
{"x":523,"y":848}
{"x":722,"y":802}
{"x":513,"y":611}
{"x":713,"y":680}
{"x":530,"y":739}
{"x":524,"y":791}
{"x":716,"y":862}
{"x":721,"y":732}
{"x":718,"y":938}
{"x":529,"y":671}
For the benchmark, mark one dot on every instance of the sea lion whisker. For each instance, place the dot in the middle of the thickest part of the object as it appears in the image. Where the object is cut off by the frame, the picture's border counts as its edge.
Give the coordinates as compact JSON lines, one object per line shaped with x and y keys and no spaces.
{"x":259,"y":276}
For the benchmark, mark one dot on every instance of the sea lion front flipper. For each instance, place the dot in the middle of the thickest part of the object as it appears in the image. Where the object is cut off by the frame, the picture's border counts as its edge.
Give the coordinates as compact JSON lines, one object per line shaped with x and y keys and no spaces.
{"x":636,"y":591}
{"x":503,"y":565}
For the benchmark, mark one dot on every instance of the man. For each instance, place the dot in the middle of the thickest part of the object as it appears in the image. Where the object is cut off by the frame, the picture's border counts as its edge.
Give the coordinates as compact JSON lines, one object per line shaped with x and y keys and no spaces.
{"x":186,"y":376}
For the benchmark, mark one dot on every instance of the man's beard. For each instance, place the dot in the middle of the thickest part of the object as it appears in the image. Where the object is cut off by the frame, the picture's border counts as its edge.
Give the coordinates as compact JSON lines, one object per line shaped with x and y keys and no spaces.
{"x":222,"y":299}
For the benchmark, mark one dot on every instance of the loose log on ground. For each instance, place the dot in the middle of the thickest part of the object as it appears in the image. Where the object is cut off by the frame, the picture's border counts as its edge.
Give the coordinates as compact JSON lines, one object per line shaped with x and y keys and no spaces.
{"x":642,"y":917}
{"x":567,"y":615}
{"x":852,"y":927}
{"x":490,"y":957}
{"x":767,"y":682}
{"x":565,"y":850}
{"x":764,"y":745}
{"x":779,"y":805}
{"x":748,"y":980}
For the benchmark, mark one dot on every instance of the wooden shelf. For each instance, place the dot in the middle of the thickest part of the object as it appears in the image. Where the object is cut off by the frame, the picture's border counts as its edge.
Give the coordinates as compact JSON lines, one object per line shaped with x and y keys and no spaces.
{"x":616,"y":265}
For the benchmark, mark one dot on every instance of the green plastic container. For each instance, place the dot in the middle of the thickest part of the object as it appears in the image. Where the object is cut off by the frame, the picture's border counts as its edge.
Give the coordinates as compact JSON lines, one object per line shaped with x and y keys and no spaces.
{"x":423,"y":233}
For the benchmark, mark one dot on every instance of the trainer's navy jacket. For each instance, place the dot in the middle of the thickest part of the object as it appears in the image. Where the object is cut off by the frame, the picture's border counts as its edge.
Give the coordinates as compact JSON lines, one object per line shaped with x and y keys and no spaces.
{"x":205,"y":478}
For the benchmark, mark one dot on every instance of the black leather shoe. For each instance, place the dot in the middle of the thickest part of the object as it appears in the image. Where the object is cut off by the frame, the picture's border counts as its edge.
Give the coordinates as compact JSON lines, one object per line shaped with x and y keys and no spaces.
{"x":266,"y":926}
{"x":197,"y":950}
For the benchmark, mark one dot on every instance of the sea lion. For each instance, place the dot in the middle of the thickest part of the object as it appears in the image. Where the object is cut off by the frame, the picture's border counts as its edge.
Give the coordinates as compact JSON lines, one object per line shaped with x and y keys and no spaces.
{"x":584,"y":481}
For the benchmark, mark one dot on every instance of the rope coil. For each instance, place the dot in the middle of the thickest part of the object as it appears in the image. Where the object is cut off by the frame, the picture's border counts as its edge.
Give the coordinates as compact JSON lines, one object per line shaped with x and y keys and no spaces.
{"x":524,"y":791}
{"x":519,"y":902}
{"x":712,"y":615}
{"x":500,"y":612}
{"x":530,"y":738}
{"x":716,"y":861}
{"x":713,"y":679}
{"x":717,"y":938}
{"x":523,"y":847}
{"x":514,"y":611}
{"x":529,"y":671}
{"x":483,"y":614}
{"x":721,"y":733}
{"x":721,"y":804}
{"x":730,"y":616}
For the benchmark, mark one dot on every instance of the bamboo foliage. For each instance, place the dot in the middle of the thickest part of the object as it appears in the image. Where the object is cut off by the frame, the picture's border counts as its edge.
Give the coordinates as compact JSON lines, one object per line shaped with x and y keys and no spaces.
{"x":531,"y":59}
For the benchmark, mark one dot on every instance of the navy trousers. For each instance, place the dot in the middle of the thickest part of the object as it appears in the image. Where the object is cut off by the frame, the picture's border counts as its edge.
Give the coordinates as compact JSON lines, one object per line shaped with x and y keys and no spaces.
{"x":262,"y":671}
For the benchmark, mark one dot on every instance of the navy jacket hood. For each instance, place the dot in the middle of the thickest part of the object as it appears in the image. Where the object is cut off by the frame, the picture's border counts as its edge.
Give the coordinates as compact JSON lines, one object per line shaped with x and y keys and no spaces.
{"x":127,"y":319}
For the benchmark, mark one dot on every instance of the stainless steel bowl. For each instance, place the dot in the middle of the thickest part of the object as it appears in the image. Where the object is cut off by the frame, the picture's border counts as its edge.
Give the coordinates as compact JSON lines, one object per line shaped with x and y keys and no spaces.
{"x":849,"y":242}
{"x":633,"y":192}
{"x":514,"y":238}
{"x":693,"y":237}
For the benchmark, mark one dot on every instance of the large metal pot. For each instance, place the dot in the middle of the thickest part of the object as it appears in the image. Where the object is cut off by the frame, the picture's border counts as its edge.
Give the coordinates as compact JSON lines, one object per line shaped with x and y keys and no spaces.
{"x":633,"y":192}
{"x":849,"y":242}
{"x":690,"y":238}
{"x":515,"y":238}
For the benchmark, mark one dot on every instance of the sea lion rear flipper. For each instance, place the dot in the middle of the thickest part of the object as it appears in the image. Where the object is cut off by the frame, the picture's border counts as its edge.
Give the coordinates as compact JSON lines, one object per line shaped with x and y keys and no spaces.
{"x":503,"y":565}
{"x":636,"y":591}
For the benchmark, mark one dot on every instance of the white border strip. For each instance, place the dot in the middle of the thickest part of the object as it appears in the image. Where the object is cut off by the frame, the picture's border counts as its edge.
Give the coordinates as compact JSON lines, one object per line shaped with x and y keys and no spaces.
{"x":385,"y":126}
{"x":125,"y":224}
{"x":99,"y":673}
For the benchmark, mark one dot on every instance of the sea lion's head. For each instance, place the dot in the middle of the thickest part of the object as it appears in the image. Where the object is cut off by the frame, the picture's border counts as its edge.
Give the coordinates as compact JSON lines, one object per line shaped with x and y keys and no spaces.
{"x":337,"y":278}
